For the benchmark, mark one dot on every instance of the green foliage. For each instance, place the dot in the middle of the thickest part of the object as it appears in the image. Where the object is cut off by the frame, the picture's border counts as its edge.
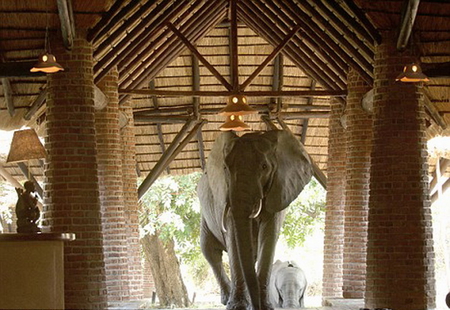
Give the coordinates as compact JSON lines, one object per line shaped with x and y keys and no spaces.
{"x":303,"y":214}
{"x":171,"y":207}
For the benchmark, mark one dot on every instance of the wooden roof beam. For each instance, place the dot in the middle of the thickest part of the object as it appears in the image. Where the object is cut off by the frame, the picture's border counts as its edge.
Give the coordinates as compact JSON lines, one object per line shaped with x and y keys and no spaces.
{"x":285,"y":93}
{"x":317,"y":43}
{"x":269,"y":58}
{"x":351,"y":20}
{"x":37,"y":103}
{"x":261,"y":25}
{"x":357,"y":58}
{"x":306,"y":121}
{"x":197,"y":113}
{"x":170,"y":47}
{"x":18,"y":69}
{"x":67,"y":22}
{"x":137,"y":39}
{"x":142,"y":51}
{"x":234,"y":54}
{"x":123,"y":28}
{"x":356,"y":11}
{"x":199,"y":56}
{"x":172,"y":151}
{"x":146,"y":73}
{"x":8,"y":94}
{"x":408,"y":17}
{"x":365,"y":47}
{"x":113,"y":16}
{"x":312,"y":28}
{"x":158,"y":125}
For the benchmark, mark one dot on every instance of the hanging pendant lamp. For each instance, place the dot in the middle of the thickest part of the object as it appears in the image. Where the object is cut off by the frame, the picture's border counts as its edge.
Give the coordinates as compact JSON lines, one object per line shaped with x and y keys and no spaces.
{"x":47,"y":64}
{"x":237,"y":105}
{"x":412,"y":73}
{"x":234,"y":122}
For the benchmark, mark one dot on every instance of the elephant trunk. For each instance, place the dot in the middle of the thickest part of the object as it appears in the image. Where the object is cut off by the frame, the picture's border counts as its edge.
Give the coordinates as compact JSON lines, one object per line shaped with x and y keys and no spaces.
{"x":246,"y":258}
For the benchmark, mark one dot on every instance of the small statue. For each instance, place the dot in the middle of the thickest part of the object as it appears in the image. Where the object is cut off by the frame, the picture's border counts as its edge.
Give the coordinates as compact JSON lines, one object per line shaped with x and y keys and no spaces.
{"x":27,"y":210}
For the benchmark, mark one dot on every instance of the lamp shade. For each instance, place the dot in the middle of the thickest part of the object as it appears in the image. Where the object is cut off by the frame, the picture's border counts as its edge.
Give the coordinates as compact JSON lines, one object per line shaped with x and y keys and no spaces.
{"x":237,"y":105}
{"x":25,"y":145}
{"x":47,"y":64}
{"x":234,"y":122}
{"x":412,"y":73}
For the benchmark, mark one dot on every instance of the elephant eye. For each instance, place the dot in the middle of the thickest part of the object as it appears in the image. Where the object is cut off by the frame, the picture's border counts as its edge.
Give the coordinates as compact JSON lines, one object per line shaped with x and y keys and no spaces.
{"x":264,"y":166}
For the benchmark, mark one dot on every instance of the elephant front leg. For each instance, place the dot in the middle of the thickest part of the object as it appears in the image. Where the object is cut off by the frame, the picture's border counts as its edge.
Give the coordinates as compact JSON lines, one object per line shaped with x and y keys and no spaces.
{"x":269,"y":227}
{"x":212,"y":251}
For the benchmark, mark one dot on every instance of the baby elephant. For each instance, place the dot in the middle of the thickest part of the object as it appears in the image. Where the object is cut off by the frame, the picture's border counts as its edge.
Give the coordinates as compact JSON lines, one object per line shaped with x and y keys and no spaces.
{"x":287,"y":285}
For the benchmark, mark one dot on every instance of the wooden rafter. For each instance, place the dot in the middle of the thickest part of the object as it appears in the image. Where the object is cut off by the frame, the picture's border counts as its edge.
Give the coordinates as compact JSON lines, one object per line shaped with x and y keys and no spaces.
{"x":18,"y":69}
{"x":205,"y":19}
{"x":356,"y":11}
{"x":285,"y":93}
{"x":37,"y":103}
{"x":67,"y":22}
{"x":8,"y":94}
{"x":408,"y":17}
{"x":200,"y":57}
{"x":306,"y":121}
{"x":172,"y":151}
{"x":269,"y":58}
{"x":158,"y":124}
{"x":197,"y":113}
{"x":349,"y":54}
{"x":265,"y":23}
{"x":114,"y":15}
{"x":138,"y":38}
{"x":234,"y":56}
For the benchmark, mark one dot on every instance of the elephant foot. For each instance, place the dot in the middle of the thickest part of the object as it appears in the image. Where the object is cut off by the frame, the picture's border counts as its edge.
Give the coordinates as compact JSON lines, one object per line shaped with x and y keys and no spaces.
{"x":237,"y":305}
{"x":224,"y":297}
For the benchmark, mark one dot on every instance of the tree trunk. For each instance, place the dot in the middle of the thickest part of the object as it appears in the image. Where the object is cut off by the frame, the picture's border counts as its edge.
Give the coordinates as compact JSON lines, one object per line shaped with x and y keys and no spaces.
{"x":165,"y":268}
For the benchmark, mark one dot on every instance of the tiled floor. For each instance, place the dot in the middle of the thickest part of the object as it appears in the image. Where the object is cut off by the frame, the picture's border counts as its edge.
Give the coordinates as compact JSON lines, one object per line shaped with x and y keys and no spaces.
{"x":334,"y":304}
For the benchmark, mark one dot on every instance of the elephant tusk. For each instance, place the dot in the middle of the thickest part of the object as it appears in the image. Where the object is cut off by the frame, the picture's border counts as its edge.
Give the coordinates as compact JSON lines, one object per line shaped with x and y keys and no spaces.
{"x":225,"y":213}
{"x":258,"y":211}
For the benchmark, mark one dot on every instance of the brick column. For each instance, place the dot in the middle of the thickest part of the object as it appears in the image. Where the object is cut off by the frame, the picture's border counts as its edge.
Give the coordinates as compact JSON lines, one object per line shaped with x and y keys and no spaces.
{"x":335,"y":201}
{"x":109,"y":146}
{"x":359,"y":139}
{"x":400,"y":252}
{"x":71,"y":195}
{"x":131,"y":204}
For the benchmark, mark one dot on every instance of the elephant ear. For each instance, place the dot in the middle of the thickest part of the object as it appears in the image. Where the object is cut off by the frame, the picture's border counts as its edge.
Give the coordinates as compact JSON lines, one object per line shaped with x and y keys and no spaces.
{"x":214,"y":167}
{"x":294,"y":171}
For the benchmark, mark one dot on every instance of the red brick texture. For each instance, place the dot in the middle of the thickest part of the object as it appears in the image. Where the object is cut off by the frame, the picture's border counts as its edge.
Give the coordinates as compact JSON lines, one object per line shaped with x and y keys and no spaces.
{"x":109,"y":158}
{"x":359,"y":139}
{"x":129,"y":179}
{"x":335,"y":201}
{"x":400,"y":253}
{"x":71,"y":196}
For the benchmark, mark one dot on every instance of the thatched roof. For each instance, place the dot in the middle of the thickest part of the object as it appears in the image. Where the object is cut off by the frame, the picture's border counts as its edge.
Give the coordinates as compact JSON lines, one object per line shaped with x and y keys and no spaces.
{"x":329,"y":36}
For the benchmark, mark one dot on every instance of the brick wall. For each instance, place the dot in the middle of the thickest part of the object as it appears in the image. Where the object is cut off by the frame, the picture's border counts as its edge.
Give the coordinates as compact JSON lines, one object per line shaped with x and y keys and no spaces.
{"x":358,"y":147}
{"x":129,"y":177}
{"x":334,"y":217}
{"x":109,"y":158}
{"x":71,"y":195}
{"x":400,"y":253}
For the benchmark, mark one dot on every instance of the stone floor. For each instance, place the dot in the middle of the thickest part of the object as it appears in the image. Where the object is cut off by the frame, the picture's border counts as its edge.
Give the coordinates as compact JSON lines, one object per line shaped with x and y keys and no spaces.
{"x":333,"y":304}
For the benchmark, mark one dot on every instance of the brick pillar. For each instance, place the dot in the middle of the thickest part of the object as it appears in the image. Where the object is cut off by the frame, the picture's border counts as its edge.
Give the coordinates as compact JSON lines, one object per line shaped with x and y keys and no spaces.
{"x":334,"y":216}
{"x":109,"y":146}
{"x":359,"y":139}
{"x":71,"y":195}
{"x":131,"y":204}
{"x":400,"y":258}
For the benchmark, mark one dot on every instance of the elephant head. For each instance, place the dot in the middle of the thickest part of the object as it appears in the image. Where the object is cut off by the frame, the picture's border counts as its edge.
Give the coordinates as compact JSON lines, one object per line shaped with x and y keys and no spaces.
{"x":252,"y":179}
{"x":287,"y":285}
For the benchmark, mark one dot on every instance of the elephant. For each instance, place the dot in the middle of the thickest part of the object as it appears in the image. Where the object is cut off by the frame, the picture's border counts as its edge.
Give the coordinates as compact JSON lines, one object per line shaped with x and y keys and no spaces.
{"x":248,"y":183}
{"x":287,"y":285}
